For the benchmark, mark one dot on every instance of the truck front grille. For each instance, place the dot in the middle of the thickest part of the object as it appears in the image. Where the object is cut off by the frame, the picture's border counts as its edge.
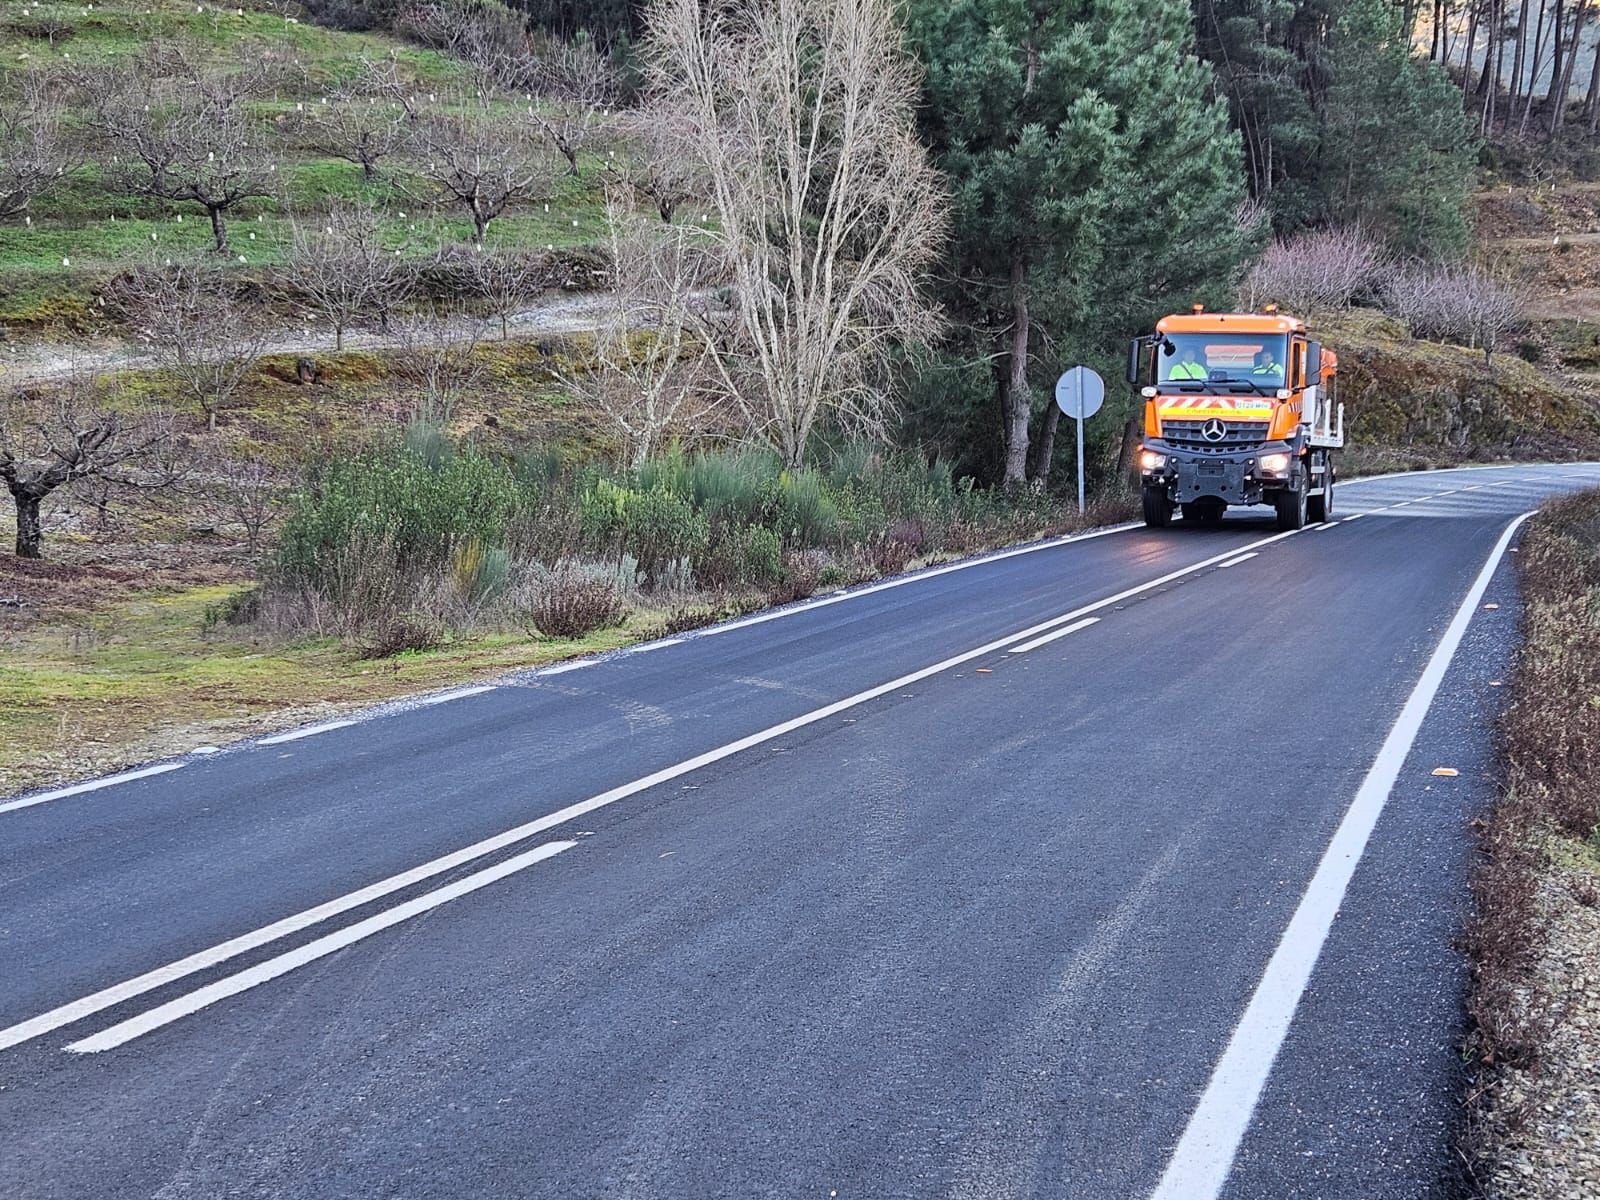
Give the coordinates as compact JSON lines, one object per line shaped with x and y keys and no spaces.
{"x":1236,"y":436}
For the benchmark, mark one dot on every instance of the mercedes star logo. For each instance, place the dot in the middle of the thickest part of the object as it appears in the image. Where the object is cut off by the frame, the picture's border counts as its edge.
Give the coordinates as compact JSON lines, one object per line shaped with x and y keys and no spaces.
{"x":1213,"y":430}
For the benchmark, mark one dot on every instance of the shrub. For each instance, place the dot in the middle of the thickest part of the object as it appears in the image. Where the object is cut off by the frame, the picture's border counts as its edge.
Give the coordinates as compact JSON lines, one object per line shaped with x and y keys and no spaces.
{"x":1454,"y":304}
{"x":417,"y":506}
{"x":661,"y":529}
{"x":572,"y":605}
{"x":1317,"y":271}
{"x":399,"y":633}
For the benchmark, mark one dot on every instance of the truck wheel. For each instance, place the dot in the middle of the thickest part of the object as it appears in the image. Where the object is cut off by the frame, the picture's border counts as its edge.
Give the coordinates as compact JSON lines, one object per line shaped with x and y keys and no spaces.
{"x":1320,"y":508}
{"x":1291,"y":509}
{"x":1157,"y":507}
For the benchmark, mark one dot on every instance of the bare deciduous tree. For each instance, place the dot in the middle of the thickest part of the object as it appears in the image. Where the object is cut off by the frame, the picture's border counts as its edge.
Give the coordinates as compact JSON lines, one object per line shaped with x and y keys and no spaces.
{"x":362,"y":129}
{"x":652,"y":164}
{"x":181,"y":131}
{"x":576,"y":88}
{"x":801,"y":113}
{"x":505,"y":280}
{"x":344,"y":271}
{"x":440,"y":361}
{"x":247,"y":490}
{"x":480,"y":163}
{"x":1316,"y":271}
{"x":1458,"y":304}
{"x":34,"y":150}
{"x":650,"y":356}
{"x":197,"y":328}
{"x":69,"y":436}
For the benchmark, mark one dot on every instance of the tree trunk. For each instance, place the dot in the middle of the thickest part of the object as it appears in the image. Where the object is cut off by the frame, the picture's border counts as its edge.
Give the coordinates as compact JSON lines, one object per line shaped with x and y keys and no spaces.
{"x":480,"y":223}
{"x":1535,"y":62}
{"x":1045,"y":452}
{"x":1558,"y":51}
{"x":1518,"y":62}
{"x":1018,"y":402}
{"x":1561,"y":83}
{"x":1466,"y":56}
{"x":218,"y":229}
{"x":1591,"y":108}
{"x":30,"y":532}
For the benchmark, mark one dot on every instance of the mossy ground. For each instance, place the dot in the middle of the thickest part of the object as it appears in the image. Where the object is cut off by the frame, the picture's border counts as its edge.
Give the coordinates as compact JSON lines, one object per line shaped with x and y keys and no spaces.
{"x":153,"y":674}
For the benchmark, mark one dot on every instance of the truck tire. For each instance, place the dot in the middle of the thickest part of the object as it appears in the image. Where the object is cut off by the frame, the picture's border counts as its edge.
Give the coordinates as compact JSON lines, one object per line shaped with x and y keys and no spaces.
{"x":1291,"y":508}
{"x":1320,"y":508}
{"x":1157,"y":507}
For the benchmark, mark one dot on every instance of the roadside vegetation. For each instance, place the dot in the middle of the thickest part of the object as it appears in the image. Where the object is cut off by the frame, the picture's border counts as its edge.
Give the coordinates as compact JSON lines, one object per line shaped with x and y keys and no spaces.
{"x":1535,"y":941}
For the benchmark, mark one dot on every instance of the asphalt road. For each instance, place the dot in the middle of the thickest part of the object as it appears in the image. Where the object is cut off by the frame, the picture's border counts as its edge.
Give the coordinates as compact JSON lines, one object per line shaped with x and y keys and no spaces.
{"x":1110,"y":868}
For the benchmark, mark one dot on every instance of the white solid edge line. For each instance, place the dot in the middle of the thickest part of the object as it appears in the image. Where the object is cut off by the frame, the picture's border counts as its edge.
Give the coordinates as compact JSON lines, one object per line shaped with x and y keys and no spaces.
{"x":1050,"y":637}
{"x":658,"y":645}
{"x":457,"y":694}
{"x":1203,"y":1158}
{"x":78,"y":789}
{"x":297,"y":734}
{"x":915,"y":577}
{"x":562,"y":668}
{"x":1234,"y":562}
{"x":1354,"y":517}
{"x":183,"y":1006}
{"x":203,"y":959}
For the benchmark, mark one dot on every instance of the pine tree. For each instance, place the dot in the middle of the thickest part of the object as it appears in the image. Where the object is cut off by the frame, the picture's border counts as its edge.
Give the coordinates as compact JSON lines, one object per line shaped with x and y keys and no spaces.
{"x":1094,"y":180}
{"x":1342,"y":123}
{"x":1398,"y":155}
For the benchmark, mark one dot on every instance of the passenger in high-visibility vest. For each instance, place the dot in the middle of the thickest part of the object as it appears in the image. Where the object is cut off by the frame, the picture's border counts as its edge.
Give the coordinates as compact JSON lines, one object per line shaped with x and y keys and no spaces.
{"x":1267,"y":365}
{"x":1188,"y":368}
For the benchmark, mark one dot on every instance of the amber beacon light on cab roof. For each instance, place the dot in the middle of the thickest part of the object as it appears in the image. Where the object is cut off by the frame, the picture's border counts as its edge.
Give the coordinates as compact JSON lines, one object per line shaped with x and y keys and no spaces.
{"x":1239,"y":408}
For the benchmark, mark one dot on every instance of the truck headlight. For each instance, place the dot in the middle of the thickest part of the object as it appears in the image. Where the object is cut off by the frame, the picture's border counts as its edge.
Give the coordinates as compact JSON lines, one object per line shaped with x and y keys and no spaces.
{"x":1274,"y":464}
{"x":1149,"y":460}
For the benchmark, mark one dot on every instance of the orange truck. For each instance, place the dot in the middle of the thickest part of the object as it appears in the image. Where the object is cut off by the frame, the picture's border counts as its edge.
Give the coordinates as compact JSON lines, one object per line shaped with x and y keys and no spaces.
{"x":1239,"y":408}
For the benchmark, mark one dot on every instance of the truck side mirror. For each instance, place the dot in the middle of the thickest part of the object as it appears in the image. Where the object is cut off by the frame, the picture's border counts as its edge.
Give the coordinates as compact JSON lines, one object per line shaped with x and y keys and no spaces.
{"x":1313,"y":363}
{"x":1136,"y":361}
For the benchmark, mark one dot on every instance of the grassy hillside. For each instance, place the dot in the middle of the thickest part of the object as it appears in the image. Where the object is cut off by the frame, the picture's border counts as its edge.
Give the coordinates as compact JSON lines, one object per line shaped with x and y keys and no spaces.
{"x":53,"y":265}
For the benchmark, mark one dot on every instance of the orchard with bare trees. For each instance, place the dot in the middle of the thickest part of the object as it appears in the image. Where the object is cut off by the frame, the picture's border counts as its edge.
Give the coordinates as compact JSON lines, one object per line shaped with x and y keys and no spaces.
{"x":181,"y":130}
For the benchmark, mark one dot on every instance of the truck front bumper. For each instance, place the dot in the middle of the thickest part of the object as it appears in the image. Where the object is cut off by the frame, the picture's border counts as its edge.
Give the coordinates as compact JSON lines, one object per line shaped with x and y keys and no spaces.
{"x":1234,"y":478}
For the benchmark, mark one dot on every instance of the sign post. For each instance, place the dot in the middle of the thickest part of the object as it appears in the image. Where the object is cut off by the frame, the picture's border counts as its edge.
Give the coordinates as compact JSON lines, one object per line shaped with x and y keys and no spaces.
{"x":1079,"y":394}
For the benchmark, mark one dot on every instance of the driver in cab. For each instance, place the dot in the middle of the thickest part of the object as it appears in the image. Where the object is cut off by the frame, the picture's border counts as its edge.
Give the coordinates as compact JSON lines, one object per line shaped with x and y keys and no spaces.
{"x":1188,"y":368}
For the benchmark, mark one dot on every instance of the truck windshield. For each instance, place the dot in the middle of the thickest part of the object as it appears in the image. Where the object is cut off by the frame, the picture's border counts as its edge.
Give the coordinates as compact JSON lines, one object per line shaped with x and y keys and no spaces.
{"x":1222,"y":361}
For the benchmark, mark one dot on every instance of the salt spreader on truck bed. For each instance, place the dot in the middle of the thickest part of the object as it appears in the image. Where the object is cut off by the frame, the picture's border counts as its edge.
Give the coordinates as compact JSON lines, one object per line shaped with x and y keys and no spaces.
{"x":1240,"y":408}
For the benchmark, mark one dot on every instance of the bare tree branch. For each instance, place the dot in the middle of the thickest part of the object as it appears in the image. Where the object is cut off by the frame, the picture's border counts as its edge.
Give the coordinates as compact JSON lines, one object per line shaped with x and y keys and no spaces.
{"x":801,"y":113}
{"x":343,"y":269}
{"x":182,"y":131}
{"x":34,"y":150}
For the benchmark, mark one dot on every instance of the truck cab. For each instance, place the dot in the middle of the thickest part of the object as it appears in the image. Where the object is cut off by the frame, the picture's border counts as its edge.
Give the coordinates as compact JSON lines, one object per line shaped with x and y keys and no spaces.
{"x":1239,"y":409}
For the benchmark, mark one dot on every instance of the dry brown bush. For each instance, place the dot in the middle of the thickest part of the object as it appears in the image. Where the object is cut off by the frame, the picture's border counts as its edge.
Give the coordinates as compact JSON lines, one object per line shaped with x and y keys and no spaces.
{"x":1465,"y":305}
{"x":572,"y":605}
{"x":1315,"y":272}
{"x":1551,"y":748}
